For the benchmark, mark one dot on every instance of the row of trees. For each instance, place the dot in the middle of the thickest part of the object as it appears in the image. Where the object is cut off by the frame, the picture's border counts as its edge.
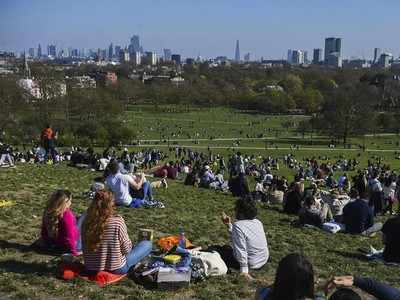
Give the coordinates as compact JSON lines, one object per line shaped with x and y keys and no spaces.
{"x":342,"y":102}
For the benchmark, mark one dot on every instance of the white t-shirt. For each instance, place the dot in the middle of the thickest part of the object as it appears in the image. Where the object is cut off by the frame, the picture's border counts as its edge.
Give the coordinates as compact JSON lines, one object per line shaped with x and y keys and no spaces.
{"x":119,"y":185}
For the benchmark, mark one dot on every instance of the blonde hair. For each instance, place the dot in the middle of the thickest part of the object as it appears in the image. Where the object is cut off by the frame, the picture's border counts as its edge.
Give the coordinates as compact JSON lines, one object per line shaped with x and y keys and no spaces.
{"x":99,"y":211}
{"x":55,"y":208}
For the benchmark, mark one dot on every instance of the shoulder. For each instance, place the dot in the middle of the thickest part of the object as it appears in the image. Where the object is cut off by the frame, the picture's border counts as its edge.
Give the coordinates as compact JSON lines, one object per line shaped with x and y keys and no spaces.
{"x":116,"y":221}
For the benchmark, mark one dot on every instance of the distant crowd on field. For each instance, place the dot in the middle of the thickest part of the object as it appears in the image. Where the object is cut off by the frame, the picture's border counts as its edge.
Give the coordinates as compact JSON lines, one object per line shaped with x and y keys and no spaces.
{"x":317,"y":195}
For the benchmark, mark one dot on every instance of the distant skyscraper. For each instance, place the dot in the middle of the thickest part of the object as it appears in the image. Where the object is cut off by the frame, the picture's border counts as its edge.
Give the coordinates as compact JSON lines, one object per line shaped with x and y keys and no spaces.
{"x":74,"y":53}
{"x":317,"y":56}
{"x":247,"y":57}
{"x":305,"y":57}
{"x":31,"y":52}
{"x":151,"y":58}
{"x":136,"y":57}
{"x":117,"y":51}
{"x":385,"y":60}
{"x":39,"y":51}
{"x":377,"y":54}
{"x":134,"y":46}
{"x":289,"y":56}
{"x":333,"y":52}
{"x":297,"y":57}
{"x":237,"y":52}
{"x":110,"y":51}
{"x":51,"y":50}
{"x":125,"y":55}
{"x":176,"y":58}
{"x":167,"y":54}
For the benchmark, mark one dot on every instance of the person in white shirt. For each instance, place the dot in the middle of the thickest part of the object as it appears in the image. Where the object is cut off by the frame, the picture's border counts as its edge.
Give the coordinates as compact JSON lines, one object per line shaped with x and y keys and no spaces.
{"x":249,"y":243}
{"x":120,"y":185}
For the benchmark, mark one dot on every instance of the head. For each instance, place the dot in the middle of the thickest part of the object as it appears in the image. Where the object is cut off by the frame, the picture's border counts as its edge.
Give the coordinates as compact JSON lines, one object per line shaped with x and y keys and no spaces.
{"x":245,"y":209}
{"x":344,"y":294}
{"x":294,"y":279}
{"x":113,"y":167}
{"x":98,"y":213}
{"x":309,"y":201}
{"x":57,"y":204}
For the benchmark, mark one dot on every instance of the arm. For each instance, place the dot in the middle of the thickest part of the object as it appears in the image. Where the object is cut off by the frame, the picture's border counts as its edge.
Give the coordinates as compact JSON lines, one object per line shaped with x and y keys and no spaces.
{"x":240,"y":248}
{"x":71,"y":231}
{"x":125,"y":241}
{"x":379,"y":290}
{"x":135,"y":185}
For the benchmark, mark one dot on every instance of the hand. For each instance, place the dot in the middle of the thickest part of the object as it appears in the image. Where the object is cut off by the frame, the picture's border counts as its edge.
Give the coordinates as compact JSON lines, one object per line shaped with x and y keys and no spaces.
{"x":336,"y":281}
{"x":247,"y":276}
{"x":226,"y":219}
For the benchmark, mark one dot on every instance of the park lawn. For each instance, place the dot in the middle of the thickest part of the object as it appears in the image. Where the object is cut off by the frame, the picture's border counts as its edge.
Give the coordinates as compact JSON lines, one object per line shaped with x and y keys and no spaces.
{"x":25,"y":274}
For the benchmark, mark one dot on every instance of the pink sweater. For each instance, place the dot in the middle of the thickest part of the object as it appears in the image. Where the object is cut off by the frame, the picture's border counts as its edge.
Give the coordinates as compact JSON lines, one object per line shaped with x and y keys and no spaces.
{"x":68,"y":232}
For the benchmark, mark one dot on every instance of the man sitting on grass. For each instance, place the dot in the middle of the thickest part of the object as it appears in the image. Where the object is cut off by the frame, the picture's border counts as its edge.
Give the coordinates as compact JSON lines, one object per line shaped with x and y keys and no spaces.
{"x":358,"y":216}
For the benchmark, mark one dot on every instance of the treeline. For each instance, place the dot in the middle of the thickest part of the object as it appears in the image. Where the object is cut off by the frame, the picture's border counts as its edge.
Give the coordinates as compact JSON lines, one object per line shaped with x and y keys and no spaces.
{"x":342,"y":102}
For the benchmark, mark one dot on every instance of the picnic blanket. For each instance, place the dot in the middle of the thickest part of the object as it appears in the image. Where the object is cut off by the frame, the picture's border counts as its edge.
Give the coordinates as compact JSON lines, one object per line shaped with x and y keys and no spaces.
{"x":71,"y":270}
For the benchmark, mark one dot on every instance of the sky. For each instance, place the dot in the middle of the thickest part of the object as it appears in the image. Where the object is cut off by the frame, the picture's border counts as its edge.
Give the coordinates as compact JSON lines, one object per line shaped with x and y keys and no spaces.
{"x":209,"y":28}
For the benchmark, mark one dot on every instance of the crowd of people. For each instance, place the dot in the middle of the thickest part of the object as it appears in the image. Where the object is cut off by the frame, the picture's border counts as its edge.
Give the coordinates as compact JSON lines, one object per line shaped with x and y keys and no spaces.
{"x":332,"y":203}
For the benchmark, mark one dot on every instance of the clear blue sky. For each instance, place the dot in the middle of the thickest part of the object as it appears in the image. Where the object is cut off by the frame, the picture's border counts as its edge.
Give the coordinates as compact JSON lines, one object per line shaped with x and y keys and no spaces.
{"x":206,"y":27}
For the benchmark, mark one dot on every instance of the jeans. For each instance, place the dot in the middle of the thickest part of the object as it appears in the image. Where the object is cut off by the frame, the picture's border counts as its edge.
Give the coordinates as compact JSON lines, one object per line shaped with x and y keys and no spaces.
{"x":8,"y":158}
{"x":145,"y":193}
{"x":79,"y":224}
{"x":139,"y":252}
{"x":374,"y":228}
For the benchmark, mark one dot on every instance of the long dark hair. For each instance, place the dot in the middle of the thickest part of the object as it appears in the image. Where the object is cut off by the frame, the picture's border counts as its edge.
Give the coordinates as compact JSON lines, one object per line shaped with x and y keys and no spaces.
{"x":294,"y":279}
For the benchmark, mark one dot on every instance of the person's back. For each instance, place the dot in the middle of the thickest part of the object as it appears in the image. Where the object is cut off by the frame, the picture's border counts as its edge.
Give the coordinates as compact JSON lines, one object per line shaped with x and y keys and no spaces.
{"x":119,"y":185}
{"x":391,"y":231}
{"x":292,"y":204}
{"x":114,"y":245}
{"x":250,"y":235}
{"x":357,"y":216}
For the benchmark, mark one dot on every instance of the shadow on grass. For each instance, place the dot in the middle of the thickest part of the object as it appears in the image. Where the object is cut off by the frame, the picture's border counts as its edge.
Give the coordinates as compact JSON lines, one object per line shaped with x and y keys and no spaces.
{"x":20,"y":267}
{"x":352,"y":255}
{"x":28,"y":248}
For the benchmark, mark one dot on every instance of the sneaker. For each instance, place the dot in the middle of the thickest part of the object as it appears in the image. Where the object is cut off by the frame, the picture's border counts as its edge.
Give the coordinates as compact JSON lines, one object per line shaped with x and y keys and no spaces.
{"x":165,"y":183}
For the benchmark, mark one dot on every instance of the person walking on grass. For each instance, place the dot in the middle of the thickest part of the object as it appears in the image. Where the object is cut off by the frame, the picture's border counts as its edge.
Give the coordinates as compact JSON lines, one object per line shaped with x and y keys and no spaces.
{"x":47,"y":138}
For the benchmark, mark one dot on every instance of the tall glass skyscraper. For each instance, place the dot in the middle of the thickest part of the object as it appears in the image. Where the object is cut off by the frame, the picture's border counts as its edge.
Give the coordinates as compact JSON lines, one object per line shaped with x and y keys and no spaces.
{"x":333,"y":51}
{"x":237,"y":52}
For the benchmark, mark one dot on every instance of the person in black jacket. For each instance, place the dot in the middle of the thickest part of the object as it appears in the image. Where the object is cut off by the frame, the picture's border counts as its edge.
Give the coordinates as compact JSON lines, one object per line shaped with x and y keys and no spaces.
{"x":391,"y":239}
{"x":293,"y":202}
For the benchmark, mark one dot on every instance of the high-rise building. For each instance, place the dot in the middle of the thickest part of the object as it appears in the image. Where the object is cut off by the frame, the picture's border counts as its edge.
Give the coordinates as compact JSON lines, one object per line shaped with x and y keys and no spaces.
{"x":297,"y":57}
{"x":39,"y":51}
{"x":237,"y":52}
{"x":289,"y":56}
{"x":333,"y":52}
{"x":125,"y":55}
{"x":176,"y":58}
{"x":31,"y":52}
{"x":117,"y":51}
{"x":385,"y":60}
{"x":305,"y":57}
{"x":151,"y":58}
{"x":74,"y":53}
{"x":51,"y":50}
{"x":110,"y":51}
{"x":136,"y":57}
{"x":377,"y":54}
{"x":317,"y":56}
{"x":134,"y":46}
{"x":247,"y":57}
{"x":167,"y":54}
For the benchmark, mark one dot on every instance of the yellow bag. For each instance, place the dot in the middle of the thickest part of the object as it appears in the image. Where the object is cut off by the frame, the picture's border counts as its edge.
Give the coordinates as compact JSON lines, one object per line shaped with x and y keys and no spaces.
{"x":172,"y":259}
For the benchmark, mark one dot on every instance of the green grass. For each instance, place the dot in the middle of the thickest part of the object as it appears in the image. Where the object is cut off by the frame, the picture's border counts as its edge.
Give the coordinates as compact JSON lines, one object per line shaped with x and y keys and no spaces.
{"x":25,"y":274}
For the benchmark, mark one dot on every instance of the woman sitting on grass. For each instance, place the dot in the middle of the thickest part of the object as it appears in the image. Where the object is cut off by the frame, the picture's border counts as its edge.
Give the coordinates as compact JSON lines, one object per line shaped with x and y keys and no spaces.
{"x":59,"y":228}
{"x":249,"y":243}
{"x":106,"y":244}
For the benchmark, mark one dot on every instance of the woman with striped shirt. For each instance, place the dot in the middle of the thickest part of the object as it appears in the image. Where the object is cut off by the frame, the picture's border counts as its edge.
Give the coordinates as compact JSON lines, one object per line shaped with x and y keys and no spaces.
{"x":106,"y":244}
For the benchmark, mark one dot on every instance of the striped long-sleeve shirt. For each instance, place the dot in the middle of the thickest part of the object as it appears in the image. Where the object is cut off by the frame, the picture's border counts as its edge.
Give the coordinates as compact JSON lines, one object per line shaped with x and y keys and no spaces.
{"x":111,"y":253}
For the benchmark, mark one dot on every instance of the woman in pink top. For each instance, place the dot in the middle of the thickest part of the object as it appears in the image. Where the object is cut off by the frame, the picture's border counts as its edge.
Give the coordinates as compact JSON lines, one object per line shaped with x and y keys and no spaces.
{"x":59,"y":228}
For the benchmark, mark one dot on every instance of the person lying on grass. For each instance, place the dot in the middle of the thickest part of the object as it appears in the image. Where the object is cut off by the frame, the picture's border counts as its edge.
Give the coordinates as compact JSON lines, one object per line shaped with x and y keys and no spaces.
{"x":59,"y":228}
{"x":294,"y":280}
{"x":106,"y":243}
{"x":249,"y":243}
{"x":124,"y":185}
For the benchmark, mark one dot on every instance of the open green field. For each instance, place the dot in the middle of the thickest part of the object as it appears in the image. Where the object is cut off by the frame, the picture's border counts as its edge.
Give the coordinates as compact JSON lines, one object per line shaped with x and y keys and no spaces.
{"x":223,"y":127}
{"x":25,"y":274}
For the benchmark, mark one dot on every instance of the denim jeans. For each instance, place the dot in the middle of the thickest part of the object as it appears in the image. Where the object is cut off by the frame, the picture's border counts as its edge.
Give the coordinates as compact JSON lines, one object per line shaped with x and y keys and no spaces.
{"x":139,"y":252}
{"x":145,"y":193}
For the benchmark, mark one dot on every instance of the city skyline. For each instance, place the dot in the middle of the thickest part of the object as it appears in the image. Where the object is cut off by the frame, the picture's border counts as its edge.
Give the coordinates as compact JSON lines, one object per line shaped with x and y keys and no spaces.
{"x":209,"y":30}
